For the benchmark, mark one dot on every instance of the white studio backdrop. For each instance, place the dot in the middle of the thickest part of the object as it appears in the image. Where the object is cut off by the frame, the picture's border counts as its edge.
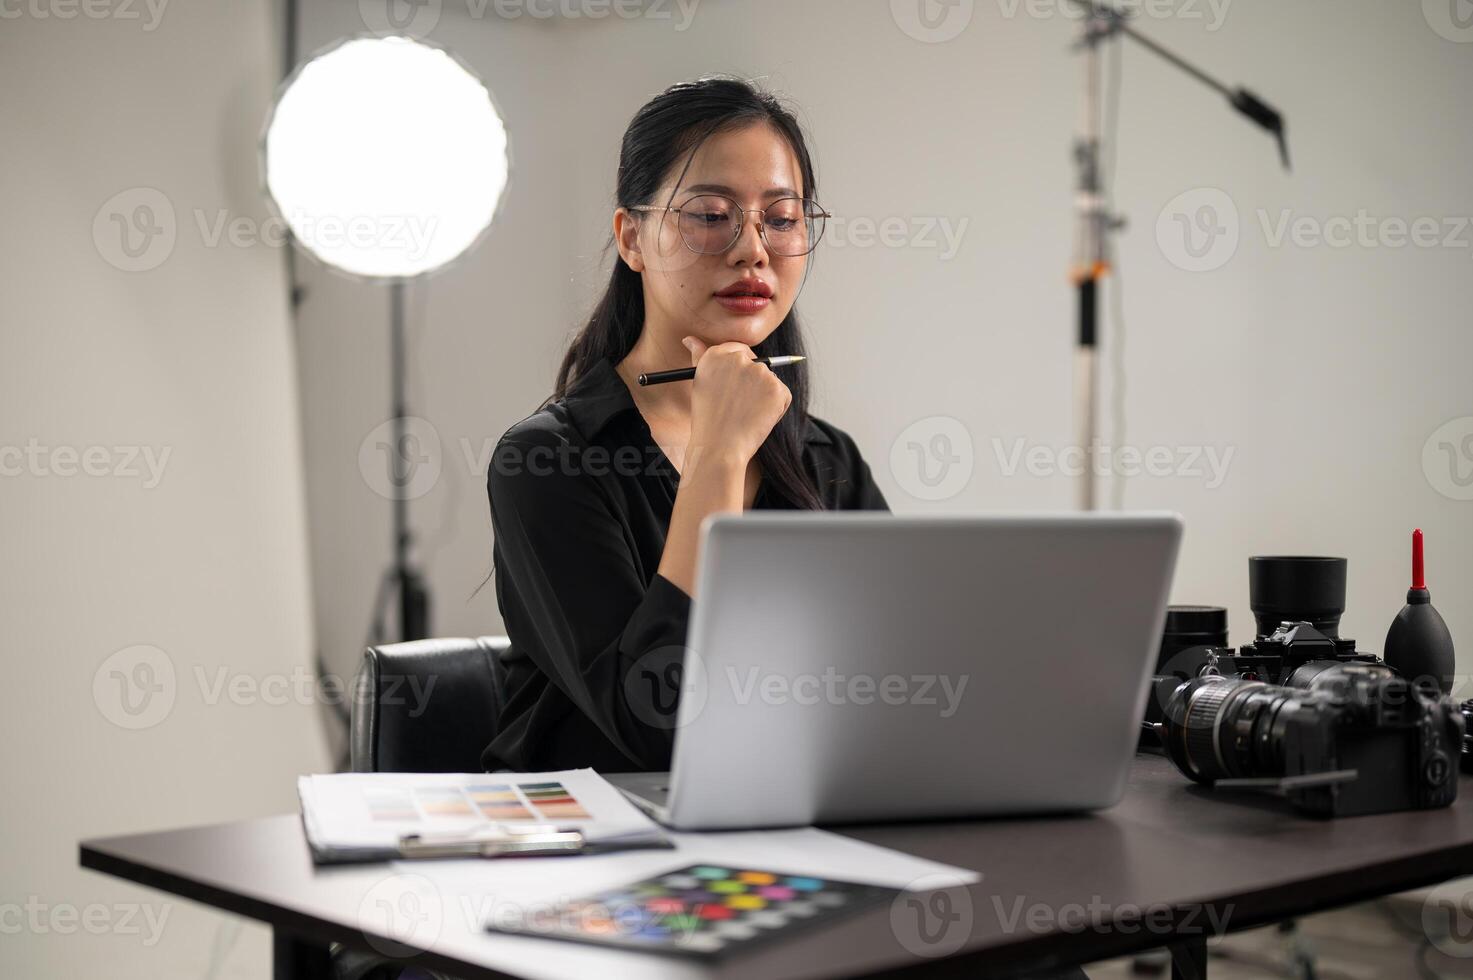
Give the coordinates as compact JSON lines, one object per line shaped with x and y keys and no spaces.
{"x":1281,"y":387}
{"x":157,"y":599}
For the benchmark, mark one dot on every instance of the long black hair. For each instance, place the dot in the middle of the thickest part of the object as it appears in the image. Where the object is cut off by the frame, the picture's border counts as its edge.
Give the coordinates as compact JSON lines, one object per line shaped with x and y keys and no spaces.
{"x":672,"y":124}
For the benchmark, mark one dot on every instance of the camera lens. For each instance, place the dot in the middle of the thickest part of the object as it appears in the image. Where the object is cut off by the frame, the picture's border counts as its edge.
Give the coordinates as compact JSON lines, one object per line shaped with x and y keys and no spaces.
{"x":1191,"y":626}
{"x":1225,"y":728}
{"x":1297,"y":588}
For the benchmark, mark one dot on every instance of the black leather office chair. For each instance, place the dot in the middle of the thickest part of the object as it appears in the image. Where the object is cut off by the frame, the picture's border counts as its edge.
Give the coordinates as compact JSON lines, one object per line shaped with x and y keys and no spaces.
{"x":425,"y":705}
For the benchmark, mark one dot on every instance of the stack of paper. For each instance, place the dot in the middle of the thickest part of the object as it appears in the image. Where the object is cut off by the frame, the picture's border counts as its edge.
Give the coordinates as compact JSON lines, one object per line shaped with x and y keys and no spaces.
{"x":364,"y":816}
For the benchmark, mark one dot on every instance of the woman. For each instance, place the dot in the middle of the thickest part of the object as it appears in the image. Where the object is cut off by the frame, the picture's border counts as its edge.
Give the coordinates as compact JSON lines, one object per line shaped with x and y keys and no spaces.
{"x":597,"y":498}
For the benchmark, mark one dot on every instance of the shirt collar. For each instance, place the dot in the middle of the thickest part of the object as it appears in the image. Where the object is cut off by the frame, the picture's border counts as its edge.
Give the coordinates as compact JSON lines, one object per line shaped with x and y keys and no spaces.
{"x":599,"y":395}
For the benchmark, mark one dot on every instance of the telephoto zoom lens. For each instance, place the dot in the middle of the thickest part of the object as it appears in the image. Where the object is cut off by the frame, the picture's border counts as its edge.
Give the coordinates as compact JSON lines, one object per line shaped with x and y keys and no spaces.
{"x":1229,"y":728}
{"x":1225,"y":728}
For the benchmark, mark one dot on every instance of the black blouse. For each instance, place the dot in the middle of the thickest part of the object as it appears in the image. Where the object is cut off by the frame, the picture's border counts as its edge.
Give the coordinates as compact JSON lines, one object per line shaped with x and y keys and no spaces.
{"x":581,"y":497}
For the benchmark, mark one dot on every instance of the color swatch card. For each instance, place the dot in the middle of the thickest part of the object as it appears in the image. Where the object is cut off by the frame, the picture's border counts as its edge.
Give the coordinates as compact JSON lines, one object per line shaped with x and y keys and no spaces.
{"x":363,"y":816}
{"x":701,"y":910}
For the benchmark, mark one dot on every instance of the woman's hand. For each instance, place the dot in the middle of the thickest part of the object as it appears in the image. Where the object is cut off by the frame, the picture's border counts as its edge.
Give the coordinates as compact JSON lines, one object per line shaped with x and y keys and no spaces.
{"x":735,"y":402}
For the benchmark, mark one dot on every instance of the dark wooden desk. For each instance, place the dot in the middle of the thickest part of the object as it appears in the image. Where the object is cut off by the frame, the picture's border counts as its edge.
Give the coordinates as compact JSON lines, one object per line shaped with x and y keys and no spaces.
{"x":1168,"y":866}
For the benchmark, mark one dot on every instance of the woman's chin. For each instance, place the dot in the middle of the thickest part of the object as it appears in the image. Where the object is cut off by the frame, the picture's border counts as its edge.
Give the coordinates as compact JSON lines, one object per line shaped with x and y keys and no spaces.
{"x":747,"y":330}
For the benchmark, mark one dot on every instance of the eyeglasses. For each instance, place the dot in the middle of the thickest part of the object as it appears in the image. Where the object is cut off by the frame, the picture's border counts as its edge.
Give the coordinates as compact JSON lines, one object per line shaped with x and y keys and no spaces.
{"x":711,"y":224}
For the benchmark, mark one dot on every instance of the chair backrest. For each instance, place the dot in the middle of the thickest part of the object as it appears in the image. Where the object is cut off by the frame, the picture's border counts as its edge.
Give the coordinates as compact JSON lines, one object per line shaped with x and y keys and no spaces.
{"x":425,"y":705}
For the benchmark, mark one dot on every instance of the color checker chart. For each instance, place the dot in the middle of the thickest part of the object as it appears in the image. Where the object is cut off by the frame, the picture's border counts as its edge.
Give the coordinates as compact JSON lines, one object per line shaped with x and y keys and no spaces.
{"x":703,"y":910}
{"x":546,"y":802}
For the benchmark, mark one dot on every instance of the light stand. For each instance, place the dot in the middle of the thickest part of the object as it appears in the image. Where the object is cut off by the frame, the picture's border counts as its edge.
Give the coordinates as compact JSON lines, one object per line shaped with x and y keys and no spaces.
{"x":403,"y":579}
{"x":1095,"y":223}
{"x":388,"y":158}
{"x":414,"y":597}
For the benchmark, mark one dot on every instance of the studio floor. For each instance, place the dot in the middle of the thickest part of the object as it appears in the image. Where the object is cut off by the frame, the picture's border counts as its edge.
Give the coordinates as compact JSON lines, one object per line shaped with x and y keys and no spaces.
{"x":1381,"y":939}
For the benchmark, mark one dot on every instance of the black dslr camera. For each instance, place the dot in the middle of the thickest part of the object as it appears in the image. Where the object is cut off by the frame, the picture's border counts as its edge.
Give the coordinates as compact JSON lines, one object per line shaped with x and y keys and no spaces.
{"x":1297,"y":603}
{"x":1299,"y":711}
{"x":1340,"y":739}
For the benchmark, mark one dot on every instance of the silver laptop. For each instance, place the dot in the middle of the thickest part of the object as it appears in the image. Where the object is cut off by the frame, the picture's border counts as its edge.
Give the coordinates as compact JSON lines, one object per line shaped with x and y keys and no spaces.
{"x":863,"y":666}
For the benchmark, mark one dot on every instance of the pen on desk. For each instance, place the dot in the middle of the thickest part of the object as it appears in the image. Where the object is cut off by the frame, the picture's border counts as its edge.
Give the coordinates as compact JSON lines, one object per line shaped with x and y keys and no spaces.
{"x":685,"y":374}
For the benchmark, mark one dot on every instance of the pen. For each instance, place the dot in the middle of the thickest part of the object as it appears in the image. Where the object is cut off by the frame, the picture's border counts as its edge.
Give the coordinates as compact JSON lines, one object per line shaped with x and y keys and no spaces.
{"x":685,"y":374}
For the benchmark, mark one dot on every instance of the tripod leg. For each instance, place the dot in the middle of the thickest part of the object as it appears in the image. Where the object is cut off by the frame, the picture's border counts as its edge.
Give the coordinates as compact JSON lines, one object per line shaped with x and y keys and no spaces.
{"x":1189,"y":959}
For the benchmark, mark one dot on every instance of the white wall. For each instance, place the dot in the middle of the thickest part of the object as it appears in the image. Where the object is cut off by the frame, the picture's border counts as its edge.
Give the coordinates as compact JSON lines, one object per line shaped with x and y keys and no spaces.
{"x":205,"y":565}
{"x":1323,"y":370}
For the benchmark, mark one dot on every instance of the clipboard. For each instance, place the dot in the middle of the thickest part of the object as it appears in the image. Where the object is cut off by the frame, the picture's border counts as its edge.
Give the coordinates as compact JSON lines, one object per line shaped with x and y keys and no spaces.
{"x":358,"y":817}
{"x":516,"y":842}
